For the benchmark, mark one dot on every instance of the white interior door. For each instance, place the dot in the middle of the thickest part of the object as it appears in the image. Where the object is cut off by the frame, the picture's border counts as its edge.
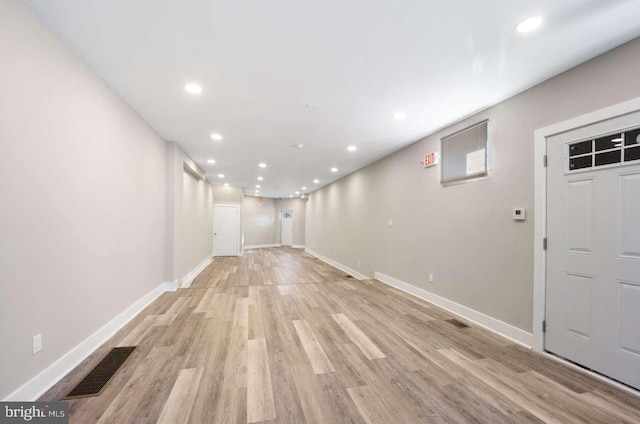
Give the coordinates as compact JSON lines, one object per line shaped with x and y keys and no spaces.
{"x":593,"y":254}
{"x":286,"y":228}
{"x":226,"y":230}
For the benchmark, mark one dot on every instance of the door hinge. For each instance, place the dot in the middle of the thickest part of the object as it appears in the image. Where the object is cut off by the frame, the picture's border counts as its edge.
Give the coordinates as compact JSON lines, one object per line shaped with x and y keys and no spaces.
{"x":544,"y":243}
{"x":544,"y":326}
{"x":544,"y":161}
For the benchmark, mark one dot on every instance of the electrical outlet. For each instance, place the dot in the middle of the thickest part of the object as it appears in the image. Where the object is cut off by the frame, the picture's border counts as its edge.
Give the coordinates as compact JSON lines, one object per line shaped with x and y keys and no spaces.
{"x":358,"y":264}
{"x":431,"y":278}
{"x":37,"y":343}
{"x":391,"y":223}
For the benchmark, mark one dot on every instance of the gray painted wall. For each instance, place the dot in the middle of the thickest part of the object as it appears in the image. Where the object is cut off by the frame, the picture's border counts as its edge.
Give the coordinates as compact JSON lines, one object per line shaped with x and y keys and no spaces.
{"x":228,"y":195}
{"x":464,"y":233}
{"x":189,"y":214}
{"x":259,"y":221}
{"x":82,"y":182}
{"x":231,"y":196}
{"x":197,"y":222}
{"x":262,"y":224}
{"x":93,"y":214}
{"x":298,"y":206}
{"x":98,"y":212}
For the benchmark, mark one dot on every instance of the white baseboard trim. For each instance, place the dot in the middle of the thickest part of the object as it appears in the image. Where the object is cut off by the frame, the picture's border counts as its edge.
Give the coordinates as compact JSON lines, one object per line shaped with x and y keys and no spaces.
{"x":188,"y":279}
{"x":38,"y":385}
{"x":298,"y":246}
{"x":261,"y":246}
{"x":172,"y":285}
{"x":499,"y":327}
{"x":338,"y":265}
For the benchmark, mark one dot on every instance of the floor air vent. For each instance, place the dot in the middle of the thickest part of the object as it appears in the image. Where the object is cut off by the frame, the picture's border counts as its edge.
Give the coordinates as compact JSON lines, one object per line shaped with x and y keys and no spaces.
{"x":457,"y":323}
{"x":97,"y":379}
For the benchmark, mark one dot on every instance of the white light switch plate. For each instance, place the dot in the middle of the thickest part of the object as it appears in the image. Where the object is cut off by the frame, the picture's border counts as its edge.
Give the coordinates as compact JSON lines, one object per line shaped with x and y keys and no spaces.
{"x":37,"y":343}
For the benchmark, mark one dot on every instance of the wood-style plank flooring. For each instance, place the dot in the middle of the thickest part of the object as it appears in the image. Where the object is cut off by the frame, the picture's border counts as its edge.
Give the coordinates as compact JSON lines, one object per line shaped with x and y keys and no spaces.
{"x":280,"y":337}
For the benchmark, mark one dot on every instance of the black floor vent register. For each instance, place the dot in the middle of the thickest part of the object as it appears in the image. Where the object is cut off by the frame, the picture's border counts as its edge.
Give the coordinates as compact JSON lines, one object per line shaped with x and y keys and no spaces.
{"x":98,"y":378}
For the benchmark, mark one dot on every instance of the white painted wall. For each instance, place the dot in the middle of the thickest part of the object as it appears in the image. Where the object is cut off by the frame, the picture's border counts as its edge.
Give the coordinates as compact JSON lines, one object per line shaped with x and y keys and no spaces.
{"x":463,"y":233}
{"x":82,"y":183}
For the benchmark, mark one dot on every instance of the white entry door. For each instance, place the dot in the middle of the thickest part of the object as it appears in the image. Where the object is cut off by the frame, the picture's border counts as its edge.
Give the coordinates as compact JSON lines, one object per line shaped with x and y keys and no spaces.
{"x":286,"y":228}
{"x":226,"y":230}
{"x":593,"y":253}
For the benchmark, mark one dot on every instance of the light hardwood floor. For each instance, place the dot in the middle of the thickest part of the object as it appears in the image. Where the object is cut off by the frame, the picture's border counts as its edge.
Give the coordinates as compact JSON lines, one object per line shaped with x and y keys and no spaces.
{"x":278,"y":336}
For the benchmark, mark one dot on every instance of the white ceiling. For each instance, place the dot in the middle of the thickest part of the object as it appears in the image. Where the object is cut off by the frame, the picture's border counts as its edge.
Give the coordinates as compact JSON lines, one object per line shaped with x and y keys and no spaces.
{"x":358,"y":61}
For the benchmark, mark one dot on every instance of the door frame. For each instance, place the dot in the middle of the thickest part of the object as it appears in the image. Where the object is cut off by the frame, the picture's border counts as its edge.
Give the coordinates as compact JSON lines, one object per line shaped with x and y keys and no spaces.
{"x":239,"y":245}
{"x":540,"y":202}
{"x":281,"y":212}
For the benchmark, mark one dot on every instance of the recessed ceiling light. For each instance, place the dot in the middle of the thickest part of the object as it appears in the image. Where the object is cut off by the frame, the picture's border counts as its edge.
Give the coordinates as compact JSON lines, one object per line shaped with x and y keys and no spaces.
{"x":216,"y":136}
{"x":258,"y":186}
{"x":226,"y":184}
{"x":316,"y":181}
{"x":399,"y":115}
{"x":220,"y":175}
{"x":334,"y":169}
{"x":211,"y":161}
{"x":291,"y":195}
{"x":257,"y":191}
{"x":193,"y":88}
{"x":299,"y":145}
{"x":297,"y":192}
{"x":529,"y":24}
{"x":304,"y":188}
{"x":352,"y":148}
{"x":262,"y":165}
{"x":260,"y":178}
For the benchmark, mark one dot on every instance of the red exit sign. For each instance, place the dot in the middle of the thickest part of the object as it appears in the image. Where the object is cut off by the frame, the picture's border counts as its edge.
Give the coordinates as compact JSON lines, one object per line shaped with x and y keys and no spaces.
{"x":430,"y":159}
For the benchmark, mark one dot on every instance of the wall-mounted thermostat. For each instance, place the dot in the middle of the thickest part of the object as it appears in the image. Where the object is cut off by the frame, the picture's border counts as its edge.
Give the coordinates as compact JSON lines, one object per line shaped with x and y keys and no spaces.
{"x":519,"y":214}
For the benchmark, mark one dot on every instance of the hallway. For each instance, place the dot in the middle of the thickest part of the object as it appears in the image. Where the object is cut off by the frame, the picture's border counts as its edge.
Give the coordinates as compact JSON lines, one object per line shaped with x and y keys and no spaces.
{"x":279,"y":336}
